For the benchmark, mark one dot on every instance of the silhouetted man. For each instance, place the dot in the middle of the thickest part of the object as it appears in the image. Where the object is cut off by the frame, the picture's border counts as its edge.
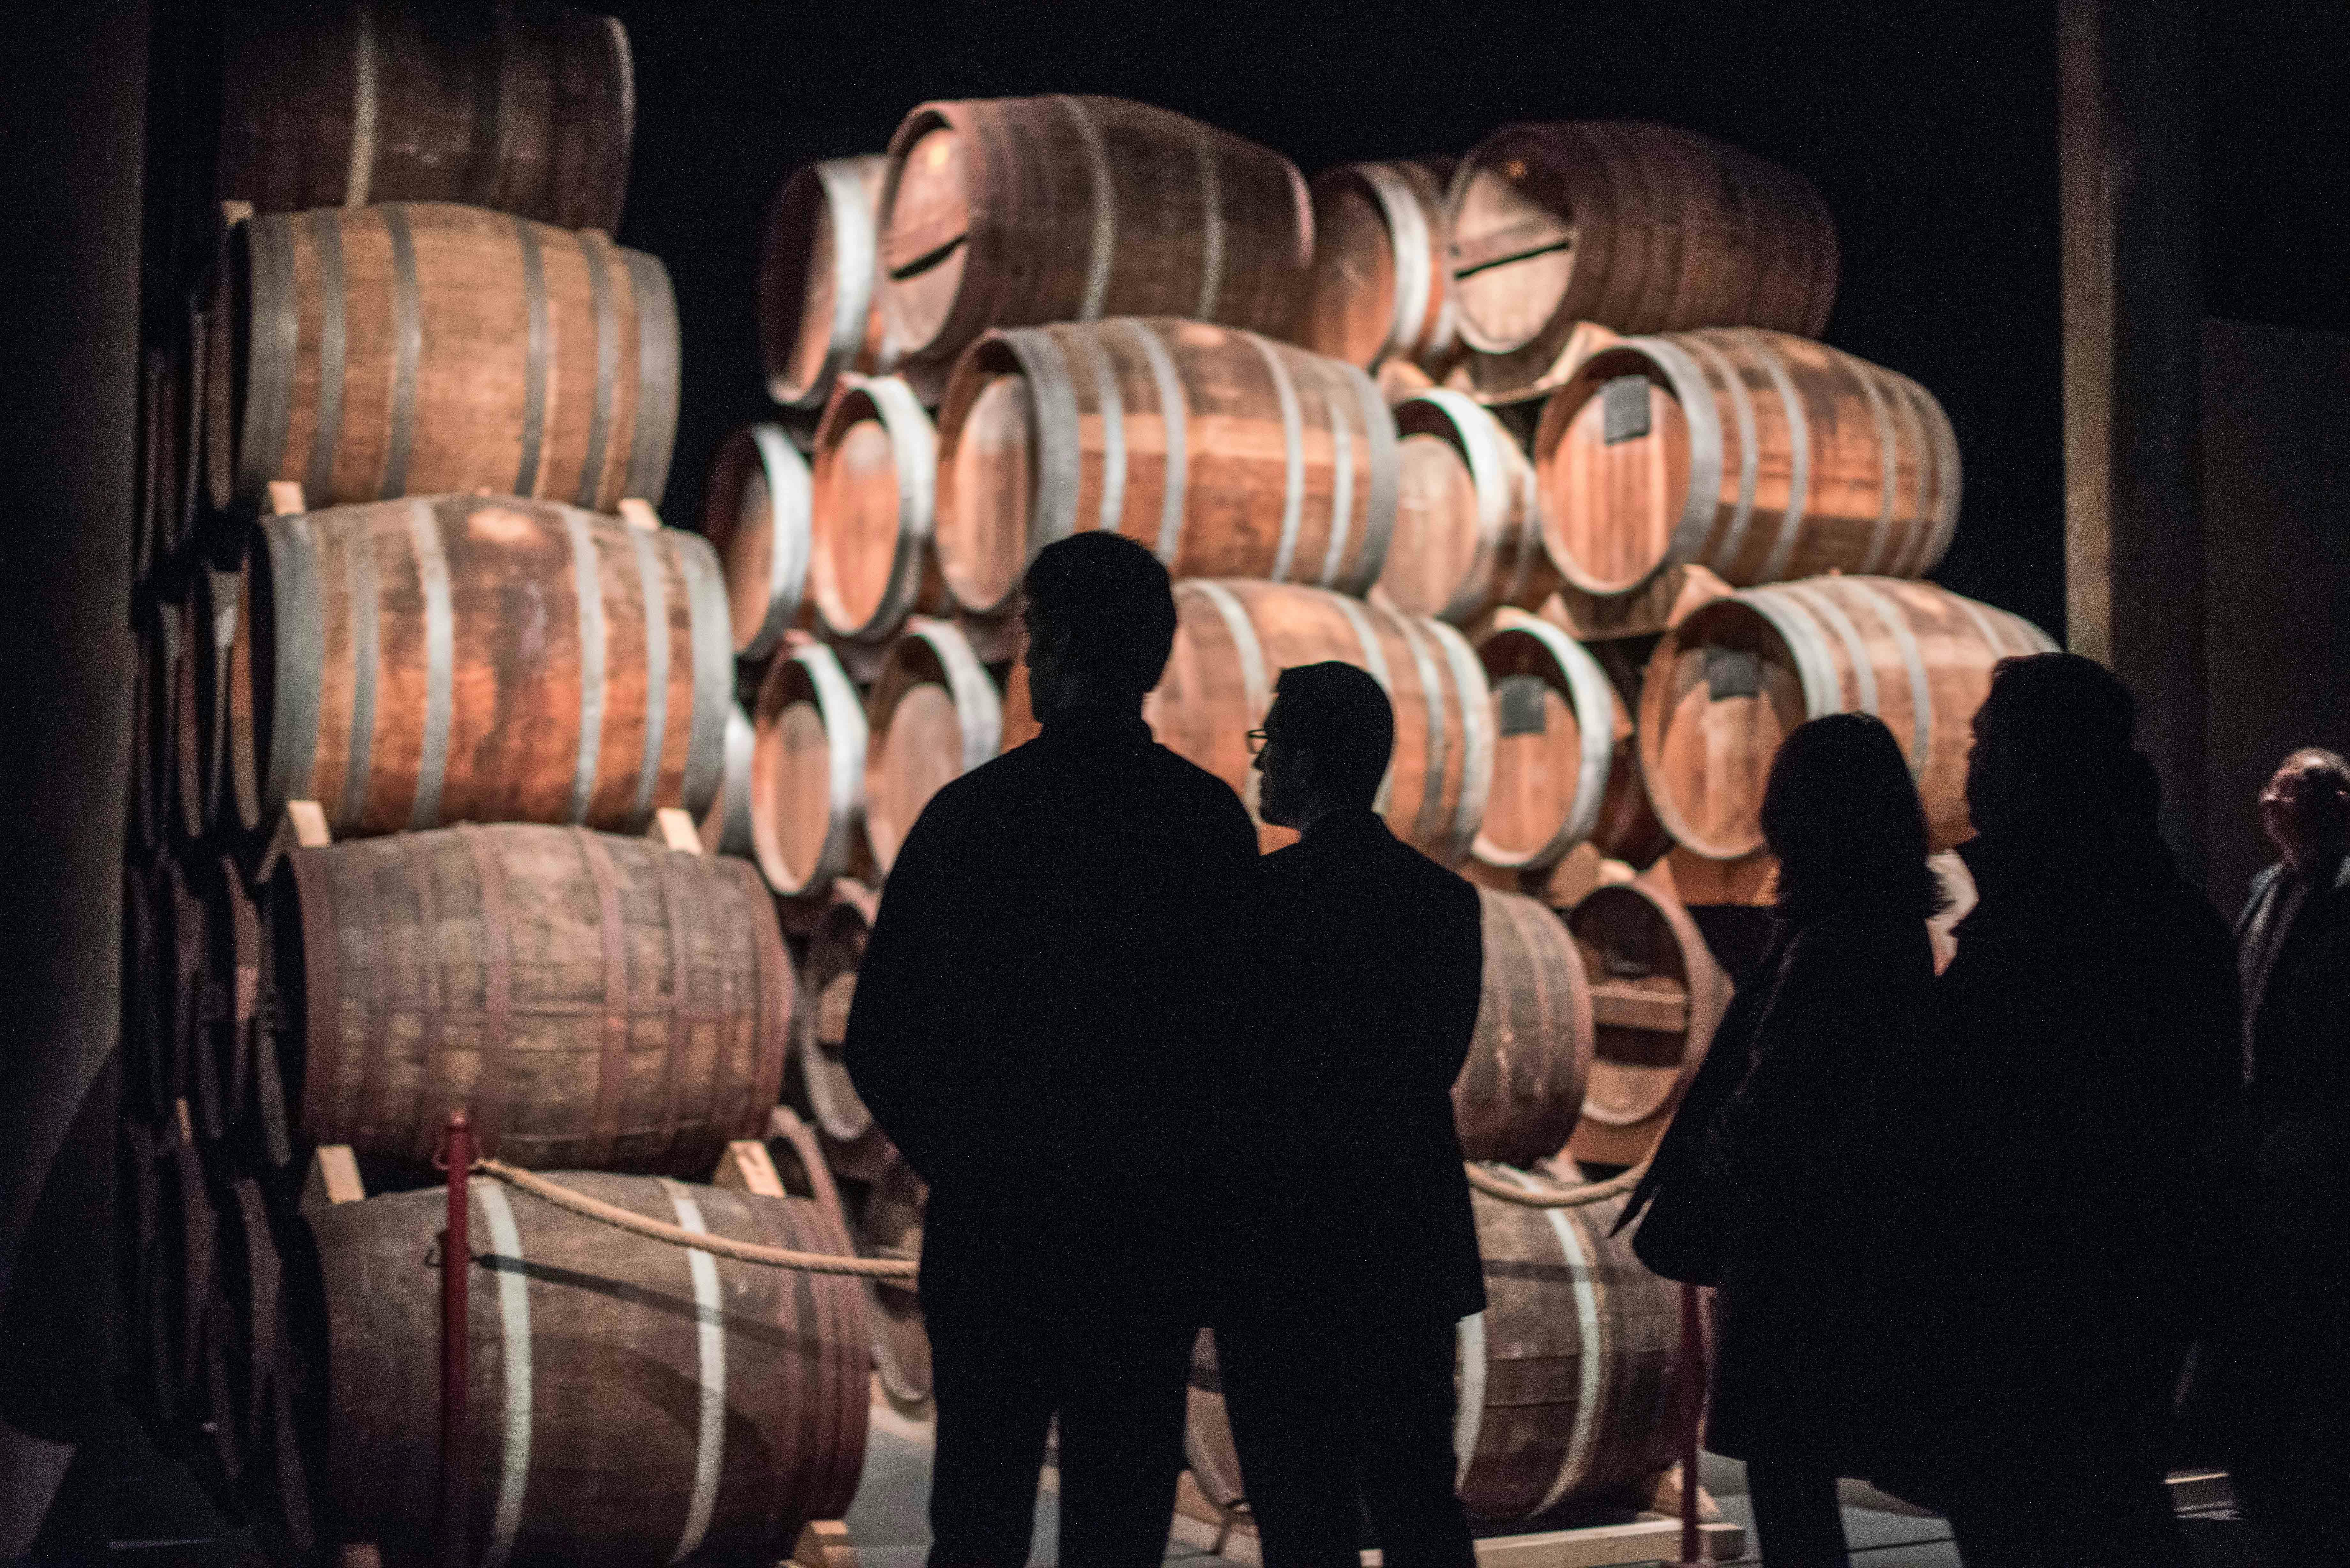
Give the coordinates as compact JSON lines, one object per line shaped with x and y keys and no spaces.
{"x":2279,"y":1367}
{"x":1035,"y":1026}
{"x":1353,"y":1248}
{"x":2057,"y":1173}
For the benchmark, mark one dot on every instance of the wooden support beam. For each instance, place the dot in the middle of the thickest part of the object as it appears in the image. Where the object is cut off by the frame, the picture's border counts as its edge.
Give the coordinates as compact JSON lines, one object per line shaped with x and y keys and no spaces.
{"x":1635,"y":1007}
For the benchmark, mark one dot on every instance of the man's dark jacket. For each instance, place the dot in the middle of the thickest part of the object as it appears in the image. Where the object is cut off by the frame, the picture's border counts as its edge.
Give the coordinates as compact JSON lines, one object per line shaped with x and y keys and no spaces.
{"x":1043,"y":1002}
{"x":2297,"y":1003}
{"x":1346,"y":1196}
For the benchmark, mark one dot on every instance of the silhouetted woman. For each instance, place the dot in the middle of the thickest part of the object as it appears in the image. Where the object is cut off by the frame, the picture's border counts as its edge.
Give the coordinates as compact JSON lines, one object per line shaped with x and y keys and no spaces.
{"x":1758,"y":1183}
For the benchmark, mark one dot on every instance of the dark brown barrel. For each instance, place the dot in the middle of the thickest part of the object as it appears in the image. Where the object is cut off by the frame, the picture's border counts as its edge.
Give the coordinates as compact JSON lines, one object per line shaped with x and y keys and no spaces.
{"x":230,"y":1005}
{"x":1757,"y":455}
{"x":592,"y":999}
{"x":630,"y":1401}
{"x":1566,"y":1388}
{"x":819,"y":312}
{"x":755,"y":516}
{"x":807,"y":772}
{"x":1234,"y":638}
{"x":1382,"y":284}
{"x":874,"y":483}
{"x":1467,"y":537}
{"x":525,"y":110}
{"x":1656,"y":994}
{"x":1565,"y":770}
{"x":934,"y":715}
{"x":207,"y":669}
{"x":414,"y":348}
{"x":1642,"y":228}
{"x":1725,"y":686}
{"x":189,"y":1075}
{"x":1518,"y":1091}
{"x":855,"y":1149}
{"x":1228,"y":453}
{"x":471,"y":657}
{"x":725,"y":827}
{"x":1011,"y":212}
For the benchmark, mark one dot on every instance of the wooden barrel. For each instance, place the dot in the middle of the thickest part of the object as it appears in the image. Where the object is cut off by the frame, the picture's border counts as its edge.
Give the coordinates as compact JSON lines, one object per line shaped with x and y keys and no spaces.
{"x":1382,"y":283}
{"x":1467,"y":537}
{"x":1565,"y":770}
{"x":1567,"y":1389}
{"x":1656,"y":994}
{"x":807,"y":772}
{"x":934,"y":715}
{"x":1757,"y":455}
{"x":630,"y":1401}
{"x":725,"y":827}
{"x":413,"y":348}
{"x":1725,"y":686}
{"x":855,"y":1149}
{"x":230,"y":1008}
{"x":471,"y":657}
{"x":819,"y":311}
{"x":593,"y":999}
{"x":875,"y":482}
{"x":1010,"y":212}
{"x":191,"y":1072}
{"x":526,"y":109}
{"x":889,"y":1225}
{"x":1232,"y":639}
{"x":1228,"y":453}
{"x":1642,"y":228}
{"x":755,"y":516}
{"x":201,"y":725}
{"x":1518,"y":1091}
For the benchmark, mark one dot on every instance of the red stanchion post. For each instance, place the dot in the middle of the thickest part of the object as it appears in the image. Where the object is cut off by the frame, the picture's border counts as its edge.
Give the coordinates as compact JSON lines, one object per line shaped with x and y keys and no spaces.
{"x":1692,"y":1414}
{"x":456,"y":1358}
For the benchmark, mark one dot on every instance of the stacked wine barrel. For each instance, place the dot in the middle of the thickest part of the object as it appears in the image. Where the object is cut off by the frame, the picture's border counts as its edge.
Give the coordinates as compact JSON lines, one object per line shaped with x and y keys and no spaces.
{"x":430,"y":708}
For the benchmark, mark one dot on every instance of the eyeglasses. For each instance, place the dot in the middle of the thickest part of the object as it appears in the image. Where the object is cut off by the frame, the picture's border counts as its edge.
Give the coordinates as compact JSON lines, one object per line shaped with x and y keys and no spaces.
{"x":1256,"y":742}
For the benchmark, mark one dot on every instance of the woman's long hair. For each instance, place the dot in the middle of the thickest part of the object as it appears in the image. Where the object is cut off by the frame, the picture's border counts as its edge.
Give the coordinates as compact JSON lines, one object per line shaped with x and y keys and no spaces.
{"x":1842,"y":815}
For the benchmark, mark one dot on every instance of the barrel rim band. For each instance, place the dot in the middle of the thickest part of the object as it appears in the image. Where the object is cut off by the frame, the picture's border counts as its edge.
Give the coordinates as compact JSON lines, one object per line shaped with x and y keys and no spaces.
{"x":408,"y":348}
{"x":1475,"y":438}
{"x":1410,"y":247}
{"x":269,"y":360}
{"x":652,"y":433}
{"x":1822,"y":690}
{"x":1587,"y":685}
{"x":367,"y":659}
{"x":1830,"y":614}
{"x":712,"y":639}
{"x":1211,"y":218}
{"x":1052,"y":393}
{"x":1904,"y":642}
{"x":1173,"y":406}
{"x":514,"y":1353}
{"x":846,"y":736}
{"x":612,"y":1052}
{"x":1888,"y":459}
{"x":787,"y":553}
{"x":1799,"y":460}
{"x":653,"y":590}
{"x":1695,"y":395}
{"x":1921,"y":516}
{"x":977,"y":707}
{"x":1741,"y":408}
{"x":1380,"y":506}
{"x":1292,"y":435}
{"x":1342,"y":473}
{"x":440,"y":653}
{"x":298,"y":639}
{"x":1468,"y":1417}
{"x":327,"y":242}
{"x":710,"y":1361}
{"x":1477,"y":735}
{"x":914,"y":456}
{"x":1583,"y":1275}
{"x":1110,"y":408}
{"x":360,"y":169}
{"x":595,"y":659}
{"x":1103,"y":248}
{"x":537,"y":337}
{"x":856,"y":253}
{"x":592,"y":246}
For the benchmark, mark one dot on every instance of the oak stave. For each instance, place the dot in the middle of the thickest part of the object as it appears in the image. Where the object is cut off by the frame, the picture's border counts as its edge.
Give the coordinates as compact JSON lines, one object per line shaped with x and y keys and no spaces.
{"x":411,"y":347}
{"x":525,"y":110}
{"x":1520,"y":1089}
{"x":1639,"y":227}
{"x":1724,"y":687}
{"x":874,"y":484}
{"x":1382,"y":282}
{"x":1229,"y":454}
{"x":1011,"y":212}
{"x":807,"y":772}
{"x":1657,"y":996}
{"x":755,"y":514}
{"x":1468,"y":534}
{"x":934,"y":715}
{"x":819,"y":271}
{"x":1758,"y":455}
{"x":1232,"y":639}
{"x":1566,"y":768}
{"x":1567,"y":1387}
{"x":470,"y":658}
{"x":630,"y":1401}
{"x":532,"y":974}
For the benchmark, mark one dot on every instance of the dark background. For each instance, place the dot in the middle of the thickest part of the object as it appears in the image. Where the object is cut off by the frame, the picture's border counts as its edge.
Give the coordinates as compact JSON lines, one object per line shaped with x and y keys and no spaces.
{"x":1930,"y":129}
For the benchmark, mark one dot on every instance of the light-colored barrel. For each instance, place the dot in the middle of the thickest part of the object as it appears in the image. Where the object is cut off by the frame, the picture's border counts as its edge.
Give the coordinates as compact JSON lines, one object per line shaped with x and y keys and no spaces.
{"x":1234,"y":639}
{"x":1565,"y":770}
{"x":629,"y":1400}
{"x":594,"y":999}
{"x":934,"y":715}
{"x":1639,"y":227}
{"x":1518,"y":1091}
{"x":875,"y":482}
{"x":1656,"y":994}
{"x":1467,"y":537}
{"x":819,"y":314}
{"x":1229,"y":454}
{"x":1725,"y":686}
{"x":755,"y":514}
{"x":1382,"y":284}
{"x":1010,"y":212}
{"x":1757,"y":455}
{"x":413,"y":348}
{"x":1566,"y":1380}
{"x":807,"y":772}
{"x":725,"y":827}
{"x":477,"y":658}
{"x":524,"y":109}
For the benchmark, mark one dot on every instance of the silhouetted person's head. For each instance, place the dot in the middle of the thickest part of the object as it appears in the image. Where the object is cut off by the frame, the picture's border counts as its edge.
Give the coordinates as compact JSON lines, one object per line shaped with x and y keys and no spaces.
{"x":1327,"y":743}
{"x":1101,"y":621}
{"x":1841,"y":814}
{"x":2305,"y":810}
{"x":2051,"y":753}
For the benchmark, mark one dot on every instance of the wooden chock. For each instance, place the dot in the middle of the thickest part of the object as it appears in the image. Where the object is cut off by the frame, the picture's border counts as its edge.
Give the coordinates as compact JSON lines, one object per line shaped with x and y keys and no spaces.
{"x":1752,"y":881}
{"x":673,"y":829}
{"x":286,"y":498}
{"x":825,"y":1544}
{"x":334,"y":1177}
{"x":303,"y":827}
{"x":746,"y":1167}
{"x":638,"y":511}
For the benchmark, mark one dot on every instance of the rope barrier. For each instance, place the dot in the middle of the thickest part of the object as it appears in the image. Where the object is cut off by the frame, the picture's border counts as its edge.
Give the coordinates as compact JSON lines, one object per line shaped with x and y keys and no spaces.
{"x":1493,"y":1186}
